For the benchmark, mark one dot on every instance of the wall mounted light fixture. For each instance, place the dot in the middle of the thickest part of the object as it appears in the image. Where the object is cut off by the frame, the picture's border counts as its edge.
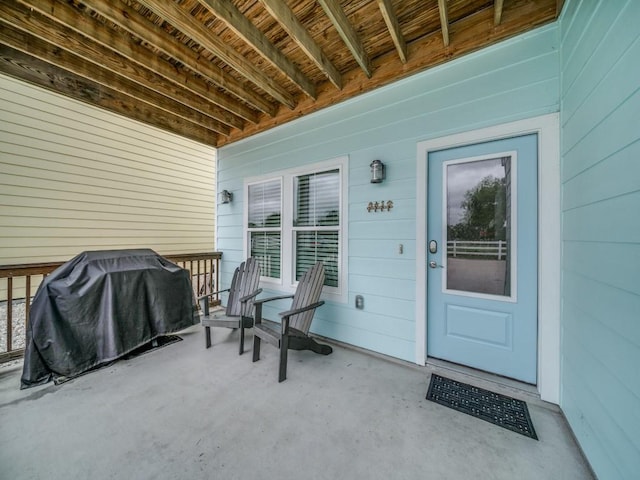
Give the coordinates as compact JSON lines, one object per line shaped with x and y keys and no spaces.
{"x":226,"y":196}
{"x":377,"y":171}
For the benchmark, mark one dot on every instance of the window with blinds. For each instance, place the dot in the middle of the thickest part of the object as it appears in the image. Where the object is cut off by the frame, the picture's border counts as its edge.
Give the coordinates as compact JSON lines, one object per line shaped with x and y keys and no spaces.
{"x":295,"y":218}
{"x":316,"y":223}
{"x":265,"y":226}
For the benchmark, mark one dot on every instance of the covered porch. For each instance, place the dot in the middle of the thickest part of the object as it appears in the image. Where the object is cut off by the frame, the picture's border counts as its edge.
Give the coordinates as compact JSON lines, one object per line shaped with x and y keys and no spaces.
{"x":183,"y":411}
{"x":147,"y":133}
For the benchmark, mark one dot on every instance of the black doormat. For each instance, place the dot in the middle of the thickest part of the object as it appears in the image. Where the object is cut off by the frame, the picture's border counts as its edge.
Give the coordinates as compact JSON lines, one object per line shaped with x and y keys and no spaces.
{"x":153,"y":345}
{"x":492,"y":407}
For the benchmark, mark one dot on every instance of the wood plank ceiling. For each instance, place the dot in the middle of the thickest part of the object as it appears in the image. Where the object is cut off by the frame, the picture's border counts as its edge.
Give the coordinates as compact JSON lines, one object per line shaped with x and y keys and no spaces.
{"x":217,"y":71}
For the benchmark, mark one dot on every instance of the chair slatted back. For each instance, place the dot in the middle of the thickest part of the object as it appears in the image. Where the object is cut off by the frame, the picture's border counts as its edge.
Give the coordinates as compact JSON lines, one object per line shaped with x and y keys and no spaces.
{"x":245,"y":281}
{"x":308,"y":292}
{"x":233,"y":292}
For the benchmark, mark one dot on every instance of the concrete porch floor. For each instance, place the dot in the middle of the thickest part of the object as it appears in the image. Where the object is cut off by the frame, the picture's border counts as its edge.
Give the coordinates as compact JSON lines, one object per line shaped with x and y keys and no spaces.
{"x":186,"y":412}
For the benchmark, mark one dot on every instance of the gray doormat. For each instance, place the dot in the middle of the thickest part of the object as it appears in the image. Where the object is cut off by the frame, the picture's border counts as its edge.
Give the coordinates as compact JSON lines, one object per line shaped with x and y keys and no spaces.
{"x":495,"y":408}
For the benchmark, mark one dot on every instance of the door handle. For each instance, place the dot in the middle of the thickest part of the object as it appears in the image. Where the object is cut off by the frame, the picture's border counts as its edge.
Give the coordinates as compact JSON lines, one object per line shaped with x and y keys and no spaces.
{"x":433,"y":264}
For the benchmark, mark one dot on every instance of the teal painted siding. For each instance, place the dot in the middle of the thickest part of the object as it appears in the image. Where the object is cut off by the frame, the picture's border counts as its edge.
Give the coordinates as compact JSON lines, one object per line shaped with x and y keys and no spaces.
{"x":600,"y":115}
{"x":514,"y":80}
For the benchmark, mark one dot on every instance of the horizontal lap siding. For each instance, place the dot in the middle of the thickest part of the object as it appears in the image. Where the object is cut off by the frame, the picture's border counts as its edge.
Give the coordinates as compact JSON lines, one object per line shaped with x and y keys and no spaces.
{"x":514,"y":80}
{"x":600,"y":94}
{"x":76,"y":178}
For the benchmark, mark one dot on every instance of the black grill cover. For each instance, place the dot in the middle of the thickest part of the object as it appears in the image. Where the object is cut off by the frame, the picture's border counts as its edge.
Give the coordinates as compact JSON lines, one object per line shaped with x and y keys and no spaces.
{"x":100,"y":306}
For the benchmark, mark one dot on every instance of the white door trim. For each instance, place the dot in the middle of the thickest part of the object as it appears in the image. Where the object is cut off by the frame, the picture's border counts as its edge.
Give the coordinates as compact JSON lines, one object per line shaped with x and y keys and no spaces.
{"x":549,"y":243}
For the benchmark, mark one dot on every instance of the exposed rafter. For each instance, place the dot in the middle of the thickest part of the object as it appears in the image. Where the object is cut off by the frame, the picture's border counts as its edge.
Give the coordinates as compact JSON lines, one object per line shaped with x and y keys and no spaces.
{"x":337,"y":16}
{"x":74,"y":54}
{"x":173,"y":14}
{"x":394,"y":28}
{"x":219,"y":71}
{"x":233,"y":17}
{"x":444,"y":21}
{"x":133,"y":22}
{"x":33,"y":70}
{"x":497,"y":15}
{"x":50,"y":53}
{"x":285,"y":16}
{"x":69,"y":29}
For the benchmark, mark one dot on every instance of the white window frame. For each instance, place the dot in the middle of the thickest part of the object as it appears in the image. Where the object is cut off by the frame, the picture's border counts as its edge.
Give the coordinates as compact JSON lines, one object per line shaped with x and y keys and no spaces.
{"x":248,"y":230}
{"x":287,"y":282}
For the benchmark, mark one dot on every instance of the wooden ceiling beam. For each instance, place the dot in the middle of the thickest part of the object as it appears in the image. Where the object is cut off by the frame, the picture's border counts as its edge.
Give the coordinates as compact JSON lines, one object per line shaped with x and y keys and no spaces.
{"x":110,"y":47}
{"x":338,"y":18}
{"x":11,"y":34}
{"x":497,"y":11}
{"x":163,"y":72}
{"x":444,"y":21}
{"x":287,"y":19}
{"x":187,"y":24}
{"x":131,"y":21}
{"x":238,"y":23}
{"x":468,"y":35}
{"x":27,"y":68}
{"x":394,"y":28}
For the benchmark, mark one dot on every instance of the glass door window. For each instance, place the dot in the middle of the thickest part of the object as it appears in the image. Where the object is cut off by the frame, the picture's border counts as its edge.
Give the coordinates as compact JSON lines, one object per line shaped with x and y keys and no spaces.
{"x":478,"y":234}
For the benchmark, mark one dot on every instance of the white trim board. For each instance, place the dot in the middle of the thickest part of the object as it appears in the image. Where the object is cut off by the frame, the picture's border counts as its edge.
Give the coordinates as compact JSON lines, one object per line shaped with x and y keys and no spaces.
{"x":549,"y":241}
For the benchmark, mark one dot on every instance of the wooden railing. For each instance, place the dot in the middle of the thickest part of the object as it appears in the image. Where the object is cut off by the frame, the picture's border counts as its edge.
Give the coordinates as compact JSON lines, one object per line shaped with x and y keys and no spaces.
{"x":204,"y":268}
{"x":21,"y":283}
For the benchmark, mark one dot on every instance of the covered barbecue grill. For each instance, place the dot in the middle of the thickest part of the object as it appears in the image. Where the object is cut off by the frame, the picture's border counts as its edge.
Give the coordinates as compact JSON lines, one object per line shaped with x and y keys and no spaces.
{"x":100,"y":306}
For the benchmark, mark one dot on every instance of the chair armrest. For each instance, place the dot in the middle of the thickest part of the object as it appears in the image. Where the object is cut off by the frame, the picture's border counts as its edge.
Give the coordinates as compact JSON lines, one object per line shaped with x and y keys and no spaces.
{"x":213,"y":293}
{"x":204,"y":303}
{"x":268,"y":299}
{"x":246,"y":298}
{"x":289,"y":313}
{"x":285,"y":315}
{"x":258,"y":304}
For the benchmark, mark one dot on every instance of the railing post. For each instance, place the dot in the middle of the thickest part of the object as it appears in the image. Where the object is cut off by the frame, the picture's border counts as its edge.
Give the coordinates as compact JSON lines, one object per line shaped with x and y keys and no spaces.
{"x":217,"y":285}
{"x":211,"y":275}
